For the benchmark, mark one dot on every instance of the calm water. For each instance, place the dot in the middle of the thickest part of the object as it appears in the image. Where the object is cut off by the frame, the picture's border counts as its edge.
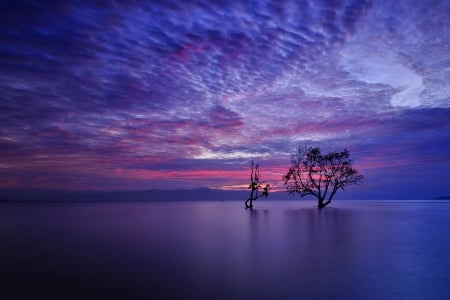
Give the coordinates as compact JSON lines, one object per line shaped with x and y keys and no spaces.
{"x":218,"y":250}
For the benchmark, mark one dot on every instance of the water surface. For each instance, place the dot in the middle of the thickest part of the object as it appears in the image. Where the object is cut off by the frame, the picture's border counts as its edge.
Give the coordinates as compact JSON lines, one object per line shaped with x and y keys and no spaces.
{"x":218,"y":250}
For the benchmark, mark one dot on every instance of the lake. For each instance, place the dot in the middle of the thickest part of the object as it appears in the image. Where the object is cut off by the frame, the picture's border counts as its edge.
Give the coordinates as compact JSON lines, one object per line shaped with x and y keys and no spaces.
{"x":219,"y":250}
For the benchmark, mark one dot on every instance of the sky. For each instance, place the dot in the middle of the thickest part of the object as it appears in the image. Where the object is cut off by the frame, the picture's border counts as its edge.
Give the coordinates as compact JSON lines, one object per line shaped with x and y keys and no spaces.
{"x":135,"y":95}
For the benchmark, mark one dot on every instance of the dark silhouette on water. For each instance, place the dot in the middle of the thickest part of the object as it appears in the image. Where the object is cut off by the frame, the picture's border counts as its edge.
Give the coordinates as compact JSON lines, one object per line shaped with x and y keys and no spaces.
{"x":320,"y":175}
{"x":255,"y":185}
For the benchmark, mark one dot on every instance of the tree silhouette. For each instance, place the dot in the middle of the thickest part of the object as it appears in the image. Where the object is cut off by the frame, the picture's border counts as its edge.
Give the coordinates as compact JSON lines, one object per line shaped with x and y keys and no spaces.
{"x":255,"y":185}
{"x":312,"y":173}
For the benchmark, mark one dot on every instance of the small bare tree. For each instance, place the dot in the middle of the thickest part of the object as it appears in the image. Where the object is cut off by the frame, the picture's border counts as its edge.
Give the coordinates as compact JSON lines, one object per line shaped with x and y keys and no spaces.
{"x":318,"y":175}
{"x":255,"y":185}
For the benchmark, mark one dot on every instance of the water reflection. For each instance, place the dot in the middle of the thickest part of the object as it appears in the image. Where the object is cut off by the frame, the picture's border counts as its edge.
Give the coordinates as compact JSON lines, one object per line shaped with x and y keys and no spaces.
{"x":258,"y":229}
{"x":221,"y":251}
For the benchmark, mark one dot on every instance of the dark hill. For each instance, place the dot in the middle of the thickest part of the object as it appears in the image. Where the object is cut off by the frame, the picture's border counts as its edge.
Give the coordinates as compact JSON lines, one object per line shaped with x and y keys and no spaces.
{"x":200,"y":194}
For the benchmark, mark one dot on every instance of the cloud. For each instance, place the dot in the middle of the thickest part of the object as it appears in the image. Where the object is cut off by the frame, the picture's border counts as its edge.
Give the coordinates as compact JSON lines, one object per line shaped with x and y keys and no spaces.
{"x":401,"y":44}
{"x":132,"y":89}
{"x":378,"y":68}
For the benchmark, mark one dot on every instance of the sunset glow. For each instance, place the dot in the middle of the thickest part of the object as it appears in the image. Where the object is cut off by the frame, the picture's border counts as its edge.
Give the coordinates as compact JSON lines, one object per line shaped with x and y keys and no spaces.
{"x":185,"y":94}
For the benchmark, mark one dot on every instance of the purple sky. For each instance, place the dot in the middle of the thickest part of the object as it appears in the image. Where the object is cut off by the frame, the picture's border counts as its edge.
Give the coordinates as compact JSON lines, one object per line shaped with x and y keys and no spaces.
{"x":184,"y":94}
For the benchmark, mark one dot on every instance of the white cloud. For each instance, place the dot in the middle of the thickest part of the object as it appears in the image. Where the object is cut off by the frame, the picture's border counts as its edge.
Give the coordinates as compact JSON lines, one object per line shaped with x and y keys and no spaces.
{"x":380,"y":67}
{"x":208,"y":154}
{"x":403,"y":44}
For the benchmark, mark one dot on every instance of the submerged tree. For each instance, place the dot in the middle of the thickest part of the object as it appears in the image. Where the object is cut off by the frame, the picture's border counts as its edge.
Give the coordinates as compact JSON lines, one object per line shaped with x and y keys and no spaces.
{"x":255,"y":185}
{"x":318,"y":175}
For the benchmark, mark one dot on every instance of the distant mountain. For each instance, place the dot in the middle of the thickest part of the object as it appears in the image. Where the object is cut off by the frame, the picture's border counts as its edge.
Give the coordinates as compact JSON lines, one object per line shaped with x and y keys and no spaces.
{"x":199,"y":194}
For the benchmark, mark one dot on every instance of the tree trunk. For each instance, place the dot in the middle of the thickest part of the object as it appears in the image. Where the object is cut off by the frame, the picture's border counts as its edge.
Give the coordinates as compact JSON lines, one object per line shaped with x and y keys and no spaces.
{"x":322,"y":204}
{"x":250,"y":200}
{"x":247,"y":205}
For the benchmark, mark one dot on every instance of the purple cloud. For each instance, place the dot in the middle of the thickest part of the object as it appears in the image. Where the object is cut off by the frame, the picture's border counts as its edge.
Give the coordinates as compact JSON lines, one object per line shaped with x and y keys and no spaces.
{"x":121,"y":94}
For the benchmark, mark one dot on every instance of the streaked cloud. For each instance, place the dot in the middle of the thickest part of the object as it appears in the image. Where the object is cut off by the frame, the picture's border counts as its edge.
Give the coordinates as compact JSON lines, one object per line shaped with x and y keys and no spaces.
{"x":127,"y":94}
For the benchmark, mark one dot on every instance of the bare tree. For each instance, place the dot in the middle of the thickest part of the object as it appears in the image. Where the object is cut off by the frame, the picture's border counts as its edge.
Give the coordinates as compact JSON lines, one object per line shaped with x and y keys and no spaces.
{"x":318,"y":175}
{"x":255,"y":185}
